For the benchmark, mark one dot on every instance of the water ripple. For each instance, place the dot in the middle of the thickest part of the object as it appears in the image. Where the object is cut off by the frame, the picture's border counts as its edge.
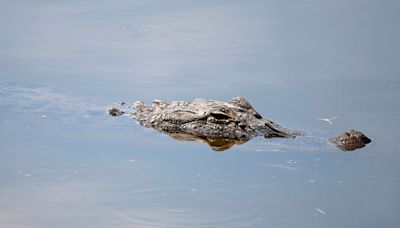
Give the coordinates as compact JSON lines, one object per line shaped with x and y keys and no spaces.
{"x":184,"y":207}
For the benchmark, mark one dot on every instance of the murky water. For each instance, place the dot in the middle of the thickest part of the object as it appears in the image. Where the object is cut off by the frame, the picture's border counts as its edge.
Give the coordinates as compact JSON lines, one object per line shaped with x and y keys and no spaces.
{"x":65,"y":163}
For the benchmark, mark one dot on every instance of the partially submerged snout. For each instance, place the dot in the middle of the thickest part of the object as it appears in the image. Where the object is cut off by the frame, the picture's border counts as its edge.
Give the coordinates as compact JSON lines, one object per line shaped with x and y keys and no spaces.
{"x":350,"y":140}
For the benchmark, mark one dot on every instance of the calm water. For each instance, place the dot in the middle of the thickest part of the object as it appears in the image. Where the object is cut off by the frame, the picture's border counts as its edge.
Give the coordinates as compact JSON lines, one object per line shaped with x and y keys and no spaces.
{"x":65,"y":163}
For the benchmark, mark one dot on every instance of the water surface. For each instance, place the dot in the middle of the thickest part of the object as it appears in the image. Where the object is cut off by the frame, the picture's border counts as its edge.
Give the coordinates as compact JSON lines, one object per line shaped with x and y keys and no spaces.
{"x":65,"y":163}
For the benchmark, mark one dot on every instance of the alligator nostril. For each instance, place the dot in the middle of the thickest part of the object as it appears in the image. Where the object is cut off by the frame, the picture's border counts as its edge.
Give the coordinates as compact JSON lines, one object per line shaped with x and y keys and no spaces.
{"x":365,"y":139}
{"x":258,"y":116}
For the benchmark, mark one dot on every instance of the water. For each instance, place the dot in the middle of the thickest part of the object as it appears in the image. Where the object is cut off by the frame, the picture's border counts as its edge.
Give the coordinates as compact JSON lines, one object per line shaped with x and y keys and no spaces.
{"x":65,"y":163}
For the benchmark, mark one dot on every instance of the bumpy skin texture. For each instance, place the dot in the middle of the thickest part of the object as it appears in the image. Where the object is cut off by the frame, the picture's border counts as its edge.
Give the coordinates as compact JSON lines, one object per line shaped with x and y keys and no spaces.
{"x":235,"y":119}
{"x":350,"y":140}
{"x":219,"y":124}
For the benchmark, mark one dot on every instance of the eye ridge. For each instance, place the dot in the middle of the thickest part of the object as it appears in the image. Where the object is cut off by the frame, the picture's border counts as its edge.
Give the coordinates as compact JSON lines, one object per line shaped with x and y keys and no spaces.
{"x":220,"y":116}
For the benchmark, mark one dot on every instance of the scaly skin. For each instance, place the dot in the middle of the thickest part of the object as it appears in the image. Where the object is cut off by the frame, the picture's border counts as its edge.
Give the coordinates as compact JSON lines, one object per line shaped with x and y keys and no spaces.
{"x":220,"y":124}
{"x":235,"y":119}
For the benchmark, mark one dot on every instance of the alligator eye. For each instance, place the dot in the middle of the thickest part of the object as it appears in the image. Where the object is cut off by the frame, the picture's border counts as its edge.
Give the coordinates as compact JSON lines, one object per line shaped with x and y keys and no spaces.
{"x":258,"y":116}
{"x":220,"y":116}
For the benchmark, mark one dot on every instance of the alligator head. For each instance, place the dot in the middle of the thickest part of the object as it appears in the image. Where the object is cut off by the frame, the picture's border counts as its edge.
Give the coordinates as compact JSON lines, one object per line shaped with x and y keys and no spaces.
{"x":214,"y":122}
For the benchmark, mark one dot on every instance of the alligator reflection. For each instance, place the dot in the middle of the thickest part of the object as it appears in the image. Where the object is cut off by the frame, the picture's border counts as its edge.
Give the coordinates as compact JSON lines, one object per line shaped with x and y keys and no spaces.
{"x":347,"y":142}
{"x":217,"y":144}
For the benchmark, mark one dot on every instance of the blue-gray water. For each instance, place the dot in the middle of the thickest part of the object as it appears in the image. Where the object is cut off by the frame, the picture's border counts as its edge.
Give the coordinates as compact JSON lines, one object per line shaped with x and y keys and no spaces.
{"x":65,"y":163}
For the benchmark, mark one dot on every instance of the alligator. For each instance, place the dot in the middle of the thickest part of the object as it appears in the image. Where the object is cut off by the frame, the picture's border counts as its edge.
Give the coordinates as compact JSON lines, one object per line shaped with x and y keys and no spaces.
{"x":219,"y":124}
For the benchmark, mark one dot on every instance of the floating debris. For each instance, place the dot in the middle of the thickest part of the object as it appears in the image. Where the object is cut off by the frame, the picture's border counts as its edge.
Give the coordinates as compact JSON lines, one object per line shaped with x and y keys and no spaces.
{"x":329,"y":120}
{"x":320,"y":211}
{"x":121,"y":103}
{"x":280,"y":166}
{"x":268,"y":150}
{"x":115,"y":112}
{"x":291,"y":162}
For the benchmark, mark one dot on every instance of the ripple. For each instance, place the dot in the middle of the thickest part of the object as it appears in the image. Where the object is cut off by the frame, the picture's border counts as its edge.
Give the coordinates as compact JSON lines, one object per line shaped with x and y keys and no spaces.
{"x":182,"y":207}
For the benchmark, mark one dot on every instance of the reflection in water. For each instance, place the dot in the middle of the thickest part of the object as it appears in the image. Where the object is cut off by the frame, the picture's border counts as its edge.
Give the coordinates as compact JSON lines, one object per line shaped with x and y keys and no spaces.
{"x":221,"y":144}
{"x":351,"y":146}
{"x":217,"y":144}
